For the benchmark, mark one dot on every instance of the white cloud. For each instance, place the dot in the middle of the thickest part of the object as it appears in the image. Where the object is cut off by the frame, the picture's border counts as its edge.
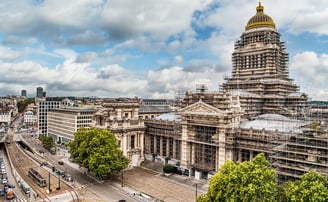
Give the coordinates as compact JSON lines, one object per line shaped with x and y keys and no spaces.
{"x":159,"y":19}
{"x":168,"y":81}
{"x":311,"y":71}
{"x":89,"y":44}
{"x":8,"y":54}
{"x":178,"y":59}
{"x":70,"y":78}
{"x":66,"y":53}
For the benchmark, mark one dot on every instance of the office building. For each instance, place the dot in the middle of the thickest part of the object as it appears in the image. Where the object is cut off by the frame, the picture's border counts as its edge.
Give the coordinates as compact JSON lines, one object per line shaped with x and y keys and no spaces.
{"x":24,"y":93}
{"x":64,"y":122}
{"x":39,"y":92}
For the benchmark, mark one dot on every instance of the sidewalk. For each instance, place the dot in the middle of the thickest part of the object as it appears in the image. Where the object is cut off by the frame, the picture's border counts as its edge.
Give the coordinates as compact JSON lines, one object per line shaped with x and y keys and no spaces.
{"x":144,"y":184}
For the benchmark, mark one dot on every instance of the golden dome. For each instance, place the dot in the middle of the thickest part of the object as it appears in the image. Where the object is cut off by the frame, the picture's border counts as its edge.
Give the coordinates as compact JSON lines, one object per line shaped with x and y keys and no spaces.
{"x":260,"y":19}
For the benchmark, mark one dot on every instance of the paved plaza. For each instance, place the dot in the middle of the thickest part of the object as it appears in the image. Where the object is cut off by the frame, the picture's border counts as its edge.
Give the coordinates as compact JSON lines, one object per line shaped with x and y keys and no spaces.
{"x":172,"y":188}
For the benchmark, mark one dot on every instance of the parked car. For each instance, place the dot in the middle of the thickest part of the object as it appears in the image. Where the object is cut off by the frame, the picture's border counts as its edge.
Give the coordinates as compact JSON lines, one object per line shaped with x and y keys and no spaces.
{"x":2,"y":192}
{"x":5,"y":187}
{"x":4,"y":176}
{"x":10,"y":194}
{"x":61,"y":162}
{"x":4,"y":181}
{"x":10,"y":185}
{"x":44,"y":163}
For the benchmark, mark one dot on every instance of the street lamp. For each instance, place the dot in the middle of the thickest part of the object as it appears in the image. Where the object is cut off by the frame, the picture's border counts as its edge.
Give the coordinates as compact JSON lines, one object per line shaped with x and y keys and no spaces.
{"x":49,"y":189}
{"x":196,"y":192}
{"x":122,"y":178}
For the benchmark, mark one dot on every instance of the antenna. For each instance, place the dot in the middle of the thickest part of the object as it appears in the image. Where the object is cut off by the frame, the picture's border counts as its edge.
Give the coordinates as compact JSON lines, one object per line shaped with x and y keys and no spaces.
{"x":201,"y":88}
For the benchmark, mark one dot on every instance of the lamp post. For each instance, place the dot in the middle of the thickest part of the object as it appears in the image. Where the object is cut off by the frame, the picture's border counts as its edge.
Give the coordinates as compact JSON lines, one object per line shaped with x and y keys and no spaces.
{"x":196,"y":192}
{"x":49,"y":189}
{"x":122,"y":178}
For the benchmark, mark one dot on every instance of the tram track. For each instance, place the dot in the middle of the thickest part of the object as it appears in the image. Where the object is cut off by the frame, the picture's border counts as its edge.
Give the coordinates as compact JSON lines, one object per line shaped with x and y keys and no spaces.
{"x":23,"y":160}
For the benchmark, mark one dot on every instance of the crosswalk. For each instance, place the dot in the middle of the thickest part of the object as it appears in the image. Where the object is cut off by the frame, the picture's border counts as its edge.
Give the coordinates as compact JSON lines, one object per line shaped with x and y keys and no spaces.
{"x":19,"y":200}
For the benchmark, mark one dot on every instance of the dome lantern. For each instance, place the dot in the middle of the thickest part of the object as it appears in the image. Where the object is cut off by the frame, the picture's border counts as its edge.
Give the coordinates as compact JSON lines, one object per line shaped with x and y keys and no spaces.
{"x":260,"y":19}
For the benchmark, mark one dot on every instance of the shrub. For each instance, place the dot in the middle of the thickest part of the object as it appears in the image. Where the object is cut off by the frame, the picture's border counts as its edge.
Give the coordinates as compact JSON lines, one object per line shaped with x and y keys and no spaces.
{"x":168,"y":168}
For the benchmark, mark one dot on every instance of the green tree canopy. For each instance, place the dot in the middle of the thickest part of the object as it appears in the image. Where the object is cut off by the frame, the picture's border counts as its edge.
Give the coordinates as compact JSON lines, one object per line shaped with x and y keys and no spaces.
{"x":246,"y":181}
{"x":23,"y":104}
{"x":312,"y":187}
{"x":98,"y":151}
{"x":47,"y":142}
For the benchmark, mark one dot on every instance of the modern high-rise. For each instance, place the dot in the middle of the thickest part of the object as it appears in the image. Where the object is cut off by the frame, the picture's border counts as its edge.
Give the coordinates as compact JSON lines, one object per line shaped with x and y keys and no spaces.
{"x":39,"y":92}
{"x":24,"y":93}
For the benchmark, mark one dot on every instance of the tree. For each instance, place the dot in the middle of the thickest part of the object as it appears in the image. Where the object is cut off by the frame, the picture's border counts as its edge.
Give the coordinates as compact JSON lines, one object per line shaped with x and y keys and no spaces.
{"x":312,"y":187}
{"x":246,"y":181}
{"x":47,"y":142}
{"x":24,"y":103}
{"x":98,"y":151}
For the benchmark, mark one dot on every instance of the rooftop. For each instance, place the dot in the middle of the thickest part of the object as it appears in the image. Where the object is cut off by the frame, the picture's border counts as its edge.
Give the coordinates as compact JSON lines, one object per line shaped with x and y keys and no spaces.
{"x":275,"y":122}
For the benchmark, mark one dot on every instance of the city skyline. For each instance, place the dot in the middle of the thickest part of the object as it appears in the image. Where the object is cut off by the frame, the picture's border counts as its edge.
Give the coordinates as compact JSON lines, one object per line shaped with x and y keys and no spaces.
{"x":149,"y":49}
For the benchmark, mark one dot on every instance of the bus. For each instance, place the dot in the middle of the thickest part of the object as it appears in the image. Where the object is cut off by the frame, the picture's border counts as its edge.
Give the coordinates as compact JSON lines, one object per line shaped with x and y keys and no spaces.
{"x":37,"y":177}
{"x":26,"y":189}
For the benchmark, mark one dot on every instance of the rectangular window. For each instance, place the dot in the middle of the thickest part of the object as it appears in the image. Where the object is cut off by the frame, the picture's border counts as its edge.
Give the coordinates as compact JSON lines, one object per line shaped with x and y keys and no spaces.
{"x":132,"y":141}
{"x":152,"y":144}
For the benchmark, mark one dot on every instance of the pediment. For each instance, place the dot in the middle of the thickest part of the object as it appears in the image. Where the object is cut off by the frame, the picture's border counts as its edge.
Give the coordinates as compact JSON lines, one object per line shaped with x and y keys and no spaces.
{"x":201,"y":107}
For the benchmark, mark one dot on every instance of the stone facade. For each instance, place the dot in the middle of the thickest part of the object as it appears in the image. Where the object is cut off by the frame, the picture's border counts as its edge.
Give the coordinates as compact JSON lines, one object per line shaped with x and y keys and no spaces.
{"x":122,"y":118}
{"x":258,"y":109}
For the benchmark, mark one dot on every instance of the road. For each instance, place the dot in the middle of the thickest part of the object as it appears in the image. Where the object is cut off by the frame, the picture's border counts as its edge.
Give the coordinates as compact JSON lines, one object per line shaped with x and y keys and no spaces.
{"x":89,"y":188}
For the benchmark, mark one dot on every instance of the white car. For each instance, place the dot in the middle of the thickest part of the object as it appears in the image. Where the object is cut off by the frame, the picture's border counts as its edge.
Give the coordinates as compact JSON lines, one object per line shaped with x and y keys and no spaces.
{"x":3,"y":171}
{"x":4,"y":181}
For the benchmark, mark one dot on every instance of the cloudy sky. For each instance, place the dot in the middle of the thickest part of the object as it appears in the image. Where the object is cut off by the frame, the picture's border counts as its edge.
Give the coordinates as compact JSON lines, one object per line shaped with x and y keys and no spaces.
{"x":148,"y":48}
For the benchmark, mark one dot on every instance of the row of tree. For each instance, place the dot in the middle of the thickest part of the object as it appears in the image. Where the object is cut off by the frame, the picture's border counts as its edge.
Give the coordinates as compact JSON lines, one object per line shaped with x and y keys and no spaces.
{"x":256,"y":181}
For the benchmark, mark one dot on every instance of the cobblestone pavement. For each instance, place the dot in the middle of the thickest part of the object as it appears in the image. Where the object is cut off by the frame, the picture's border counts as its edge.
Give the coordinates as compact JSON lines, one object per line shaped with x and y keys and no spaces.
{"x":174,"y":188}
